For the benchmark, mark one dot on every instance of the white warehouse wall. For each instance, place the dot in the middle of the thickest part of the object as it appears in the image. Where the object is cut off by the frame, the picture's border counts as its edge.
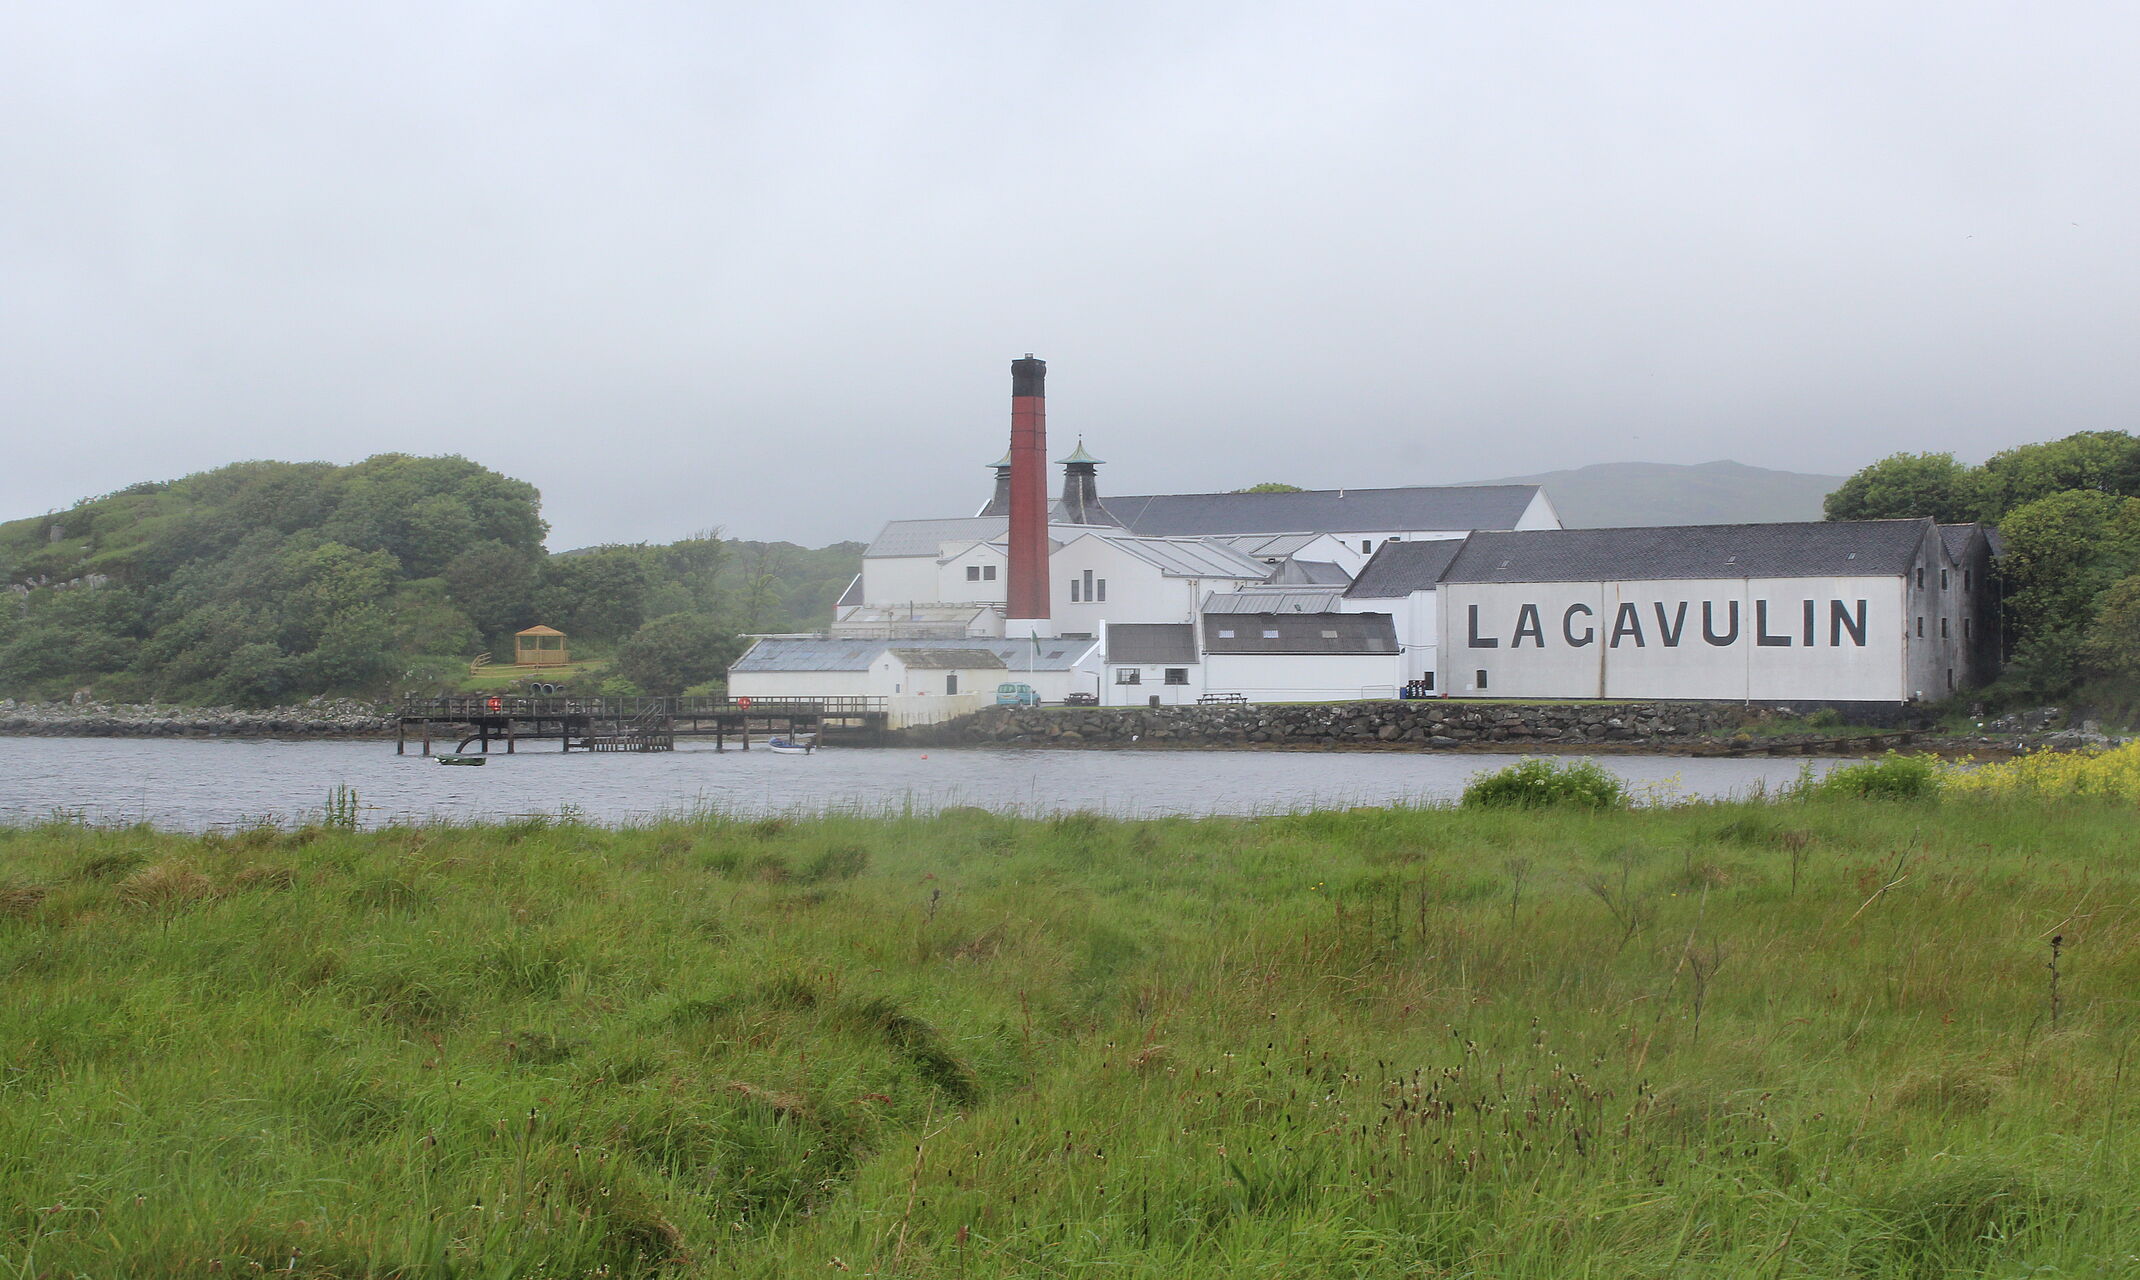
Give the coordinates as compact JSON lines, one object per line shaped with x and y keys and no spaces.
{"x":1647,"y":639}
{"x":1302,"y":677}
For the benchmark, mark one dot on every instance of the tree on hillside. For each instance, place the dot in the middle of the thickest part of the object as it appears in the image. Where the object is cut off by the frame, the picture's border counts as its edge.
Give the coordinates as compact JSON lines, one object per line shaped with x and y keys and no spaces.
{"x":2103,"y":461}
{"x":2063,"y":553}
{"x":1272,"y":486}
{"x":669,"y":655}
{"x":1906,"y":486}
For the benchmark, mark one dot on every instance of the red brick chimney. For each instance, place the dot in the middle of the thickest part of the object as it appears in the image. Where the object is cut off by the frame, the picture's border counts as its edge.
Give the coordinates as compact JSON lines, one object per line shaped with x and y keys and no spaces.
{"x":1026,"y":595}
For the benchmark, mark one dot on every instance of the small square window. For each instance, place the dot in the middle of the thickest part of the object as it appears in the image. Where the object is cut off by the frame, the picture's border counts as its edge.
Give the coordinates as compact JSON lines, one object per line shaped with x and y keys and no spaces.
{"x":1481,"y":683}
{"x":1177,"y":675}
{"x":988,"y":573}
{"x":973,"y":573}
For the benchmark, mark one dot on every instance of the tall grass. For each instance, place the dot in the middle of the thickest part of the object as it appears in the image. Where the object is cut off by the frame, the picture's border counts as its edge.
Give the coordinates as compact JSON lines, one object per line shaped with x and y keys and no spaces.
{"x":1778,"y":1040}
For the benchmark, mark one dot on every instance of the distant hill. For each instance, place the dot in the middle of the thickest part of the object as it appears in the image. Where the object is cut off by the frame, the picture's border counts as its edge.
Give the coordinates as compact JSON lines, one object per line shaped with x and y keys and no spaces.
{"x":1619,"y":494}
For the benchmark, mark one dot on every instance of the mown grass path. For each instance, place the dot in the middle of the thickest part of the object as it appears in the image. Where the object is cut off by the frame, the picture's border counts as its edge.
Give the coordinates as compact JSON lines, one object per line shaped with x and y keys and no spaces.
{"x":1813,"y":1038}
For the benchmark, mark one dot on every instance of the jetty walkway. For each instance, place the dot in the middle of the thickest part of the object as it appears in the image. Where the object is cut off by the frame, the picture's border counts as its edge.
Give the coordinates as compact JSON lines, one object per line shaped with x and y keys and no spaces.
{"x":629,"y":724}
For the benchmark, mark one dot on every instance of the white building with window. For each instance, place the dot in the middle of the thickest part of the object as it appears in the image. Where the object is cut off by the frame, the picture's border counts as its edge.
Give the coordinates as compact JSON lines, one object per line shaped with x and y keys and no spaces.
{"x":1848,"y":611}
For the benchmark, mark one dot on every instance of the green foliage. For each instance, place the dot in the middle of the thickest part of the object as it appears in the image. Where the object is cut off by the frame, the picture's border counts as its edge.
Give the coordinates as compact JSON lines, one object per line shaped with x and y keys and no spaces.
{"x":1906,"y":486}
{"x":1272,"y":486}
{"x":1540,"y":783}
{"x":669,"y":655}
{"x":2069,"y":511}
{"x":1891,"y":777}
{"x":1780,"y":1041}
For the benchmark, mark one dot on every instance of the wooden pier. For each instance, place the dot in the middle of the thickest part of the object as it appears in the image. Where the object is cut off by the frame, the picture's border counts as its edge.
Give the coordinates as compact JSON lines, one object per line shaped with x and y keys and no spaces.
{"x":629,"y":724}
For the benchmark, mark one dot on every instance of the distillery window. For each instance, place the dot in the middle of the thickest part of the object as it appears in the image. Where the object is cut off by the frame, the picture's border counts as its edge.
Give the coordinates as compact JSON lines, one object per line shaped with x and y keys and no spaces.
{"x":973,"y":573}
{"x":1920,"y":626}
{"x":1270,"y":635}
{"x":1965,"y":628}
{"x":1367,"y":547}
{"x":1102,"y":585}
{"x":1225,"y":634}
{"x":1177,"y":675}
{"x":988,"y":573}
{"x":1942,"y":579}
{"x":1089,"y":595}
{"x":1426,"y":682}
{"x":1950,"y":679}
{"x":1942,"y":628}
{"x":1128,"y":675}
{"x":1920,"y":579}
{"x":1480,"y":683}
{"x":1073,"y":591}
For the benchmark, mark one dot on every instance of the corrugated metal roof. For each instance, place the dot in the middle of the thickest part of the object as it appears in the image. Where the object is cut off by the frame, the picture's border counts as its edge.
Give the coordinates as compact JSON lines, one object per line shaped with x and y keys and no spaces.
{"x":1797,"y":550}
{"x":783,"y":654}
{"x":1269,"y":546}
{"x":929,"y":659}
{"x":1492,"y":506}
{"x":1151,"y":642}
{"x":1400,"y":568}
{"x":1299,"y":600}
{"x":1300,"y":633}
{"x":1191,"y":557}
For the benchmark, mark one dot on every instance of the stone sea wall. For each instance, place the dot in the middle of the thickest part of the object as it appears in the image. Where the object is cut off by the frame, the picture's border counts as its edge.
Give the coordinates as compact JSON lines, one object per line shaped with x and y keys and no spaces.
{"x":1397,"y":725}
{"x":319,"y":718}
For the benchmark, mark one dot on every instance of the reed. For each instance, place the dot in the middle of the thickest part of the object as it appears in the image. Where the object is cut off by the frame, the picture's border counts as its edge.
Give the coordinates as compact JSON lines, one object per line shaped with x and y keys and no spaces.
{"x":1810,"y":1037}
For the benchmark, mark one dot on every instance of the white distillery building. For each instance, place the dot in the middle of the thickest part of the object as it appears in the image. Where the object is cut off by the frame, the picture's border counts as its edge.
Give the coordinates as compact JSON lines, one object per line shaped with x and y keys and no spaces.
{"x":816,"y":667}
{"x":1855,"y":611}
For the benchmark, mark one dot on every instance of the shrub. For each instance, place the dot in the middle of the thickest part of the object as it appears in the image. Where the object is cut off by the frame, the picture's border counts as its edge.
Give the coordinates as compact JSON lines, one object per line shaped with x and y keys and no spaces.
{"x":1891,"y":777}
{"x":1532,"y":784}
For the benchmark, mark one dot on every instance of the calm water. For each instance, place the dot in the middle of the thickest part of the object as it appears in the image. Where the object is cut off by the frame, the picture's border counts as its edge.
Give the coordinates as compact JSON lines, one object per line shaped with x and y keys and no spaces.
{"x":198,"y":784}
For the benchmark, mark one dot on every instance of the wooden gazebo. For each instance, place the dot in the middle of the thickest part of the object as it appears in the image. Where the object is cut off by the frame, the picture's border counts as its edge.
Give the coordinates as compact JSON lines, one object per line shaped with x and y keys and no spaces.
{"x":540,"y":647}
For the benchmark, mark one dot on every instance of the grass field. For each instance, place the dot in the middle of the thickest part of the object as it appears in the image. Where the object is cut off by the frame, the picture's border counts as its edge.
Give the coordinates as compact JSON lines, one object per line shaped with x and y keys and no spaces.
{"x":1812,"y":1038}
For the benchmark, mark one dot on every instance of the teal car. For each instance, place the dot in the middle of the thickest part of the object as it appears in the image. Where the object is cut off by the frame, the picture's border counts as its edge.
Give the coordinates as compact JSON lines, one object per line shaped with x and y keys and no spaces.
{"x":1016,"y":694}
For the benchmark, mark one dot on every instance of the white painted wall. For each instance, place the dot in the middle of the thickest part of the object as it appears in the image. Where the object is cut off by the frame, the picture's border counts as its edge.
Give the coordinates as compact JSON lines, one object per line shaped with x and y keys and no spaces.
{"x":953,"y":584}
{"x":1302,"y":677}
{"x":1151,"y":683}
{"x":1539,"y":515}
{"x":1609,"y":640}
{"x":1417,"y":620}
{"x":899,"y":579}
{"x":1137,"y":591}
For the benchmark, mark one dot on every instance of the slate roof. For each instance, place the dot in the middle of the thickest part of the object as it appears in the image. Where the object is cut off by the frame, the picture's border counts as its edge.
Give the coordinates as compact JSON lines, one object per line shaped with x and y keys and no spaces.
{"x":1490,"y":506}
{"x":1300,"y":633}
{"x":1155,"y":643}
{"x":1956,"y":539}
{"x":933,"y":659}
{"x":1400,"y":568}
{"x":926,"y":537}
{"x":1844,"y":548}
{"x":783,"y":653}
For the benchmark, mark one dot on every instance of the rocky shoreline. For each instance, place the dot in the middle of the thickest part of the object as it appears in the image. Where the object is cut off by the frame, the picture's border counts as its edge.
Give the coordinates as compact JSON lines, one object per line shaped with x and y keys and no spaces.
{"x":319,"y":718}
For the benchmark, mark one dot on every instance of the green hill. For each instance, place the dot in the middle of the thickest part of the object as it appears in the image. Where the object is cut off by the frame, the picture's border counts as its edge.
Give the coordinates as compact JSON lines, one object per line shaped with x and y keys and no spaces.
{"x":1620,"y":494}
{"x":266,"y":582}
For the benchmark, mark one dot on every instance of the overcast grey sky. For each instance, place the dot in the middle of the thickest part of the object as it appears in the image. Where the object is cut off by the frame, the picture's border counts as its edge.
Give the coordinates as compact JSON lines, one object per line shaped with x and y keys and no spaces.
{"x":764,"y":266}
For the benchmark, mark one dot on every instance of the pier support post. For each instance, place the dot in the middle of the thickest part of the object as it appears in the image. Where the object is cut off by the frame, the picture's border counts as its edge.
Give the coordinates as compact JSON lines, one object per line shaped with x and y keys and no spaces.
{"x":401,"y":737}
{"x":427,"y":735}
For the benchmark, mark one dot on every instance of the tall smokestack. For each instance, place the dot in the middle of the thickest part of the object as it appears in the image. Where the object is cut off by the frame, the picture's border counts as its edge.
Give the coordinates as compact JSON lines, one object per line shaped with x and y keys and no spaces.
{"x":1027,"y":591}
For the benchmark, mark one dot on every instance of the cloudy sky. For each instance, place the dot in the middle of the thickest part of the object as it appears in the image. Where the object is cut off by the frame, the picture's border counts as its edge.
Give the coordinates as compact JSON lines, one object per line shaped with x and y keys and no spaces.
{"x":763,"y":266}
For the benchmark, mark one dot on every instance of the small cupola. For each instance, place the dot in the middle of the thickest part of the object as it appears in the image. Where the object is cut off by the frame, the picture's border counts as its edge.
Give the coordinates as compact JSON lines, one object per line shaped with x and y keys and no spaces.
{"x":1081,"y":490}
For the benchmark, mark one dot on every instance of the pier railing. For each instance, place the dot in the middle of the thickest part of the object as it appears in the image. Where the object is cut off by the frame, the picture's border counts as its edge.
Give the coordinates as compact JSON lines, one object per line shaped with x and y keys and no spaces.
{"x":502,"y":706}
